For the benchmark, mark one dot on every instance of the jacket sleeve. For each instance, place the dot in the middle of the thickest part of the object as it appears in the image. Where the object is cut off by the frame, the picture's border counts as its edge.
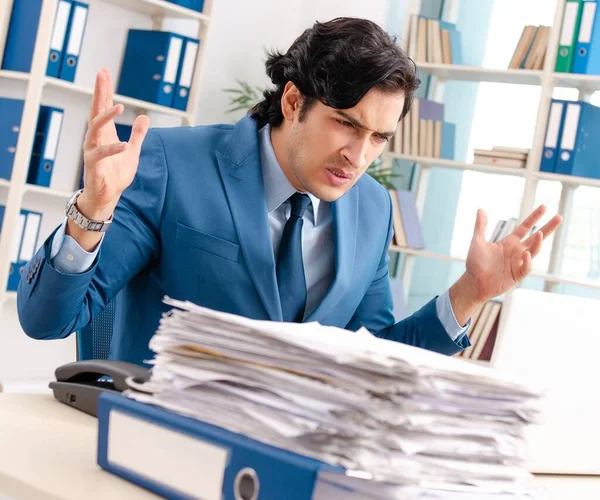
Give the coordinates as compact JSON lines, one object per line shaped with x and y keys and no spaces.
{"x":422,"y":329}
{"x":52,"y":304}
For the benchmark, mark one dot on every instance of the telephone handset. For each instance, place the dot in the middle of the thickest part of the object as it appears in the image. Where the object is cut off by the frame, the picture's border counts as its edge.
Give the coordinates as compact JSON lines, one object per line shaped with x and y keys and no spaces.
{"x":78,"y":384}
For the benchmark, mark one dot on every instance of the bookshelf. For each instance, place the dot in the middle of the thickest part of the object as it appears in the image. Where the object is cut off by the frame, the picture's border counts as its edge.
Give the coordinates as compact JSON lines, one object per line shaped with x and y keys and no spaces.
{"x":160,"y":8}
{"x":547,"y":80}
{"x":36,"y":83}
{"x":474,"y":74}
{"x":594,"y":285}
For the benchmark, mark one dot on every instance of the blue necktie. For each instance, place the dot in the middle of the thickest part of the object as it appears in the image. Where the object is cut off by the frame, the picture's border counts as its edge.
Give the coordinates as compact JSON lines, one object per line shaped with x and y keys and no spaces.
{"x":290,"y":269}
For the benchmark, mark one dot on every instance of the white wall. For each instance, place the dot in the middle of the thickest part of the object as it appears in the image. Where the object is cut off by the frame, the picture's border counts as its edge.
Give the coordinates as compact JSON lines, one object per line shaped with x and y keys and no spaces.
{"x":241,"y":31}
{"x":239,"y":34}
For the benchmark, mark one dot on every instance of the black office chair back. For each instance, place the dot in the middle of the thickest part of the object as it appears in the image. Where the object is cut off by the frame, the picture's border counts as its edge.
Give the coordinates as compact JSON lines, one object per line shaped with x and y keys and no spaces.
{"x":93,"y":340}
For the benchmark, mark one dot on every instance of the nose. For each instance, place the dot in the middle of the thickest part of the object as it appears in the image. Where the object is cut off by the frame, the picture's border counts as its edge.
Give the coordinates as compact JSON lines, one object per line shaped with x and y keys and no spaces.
{"x":356,"y":152}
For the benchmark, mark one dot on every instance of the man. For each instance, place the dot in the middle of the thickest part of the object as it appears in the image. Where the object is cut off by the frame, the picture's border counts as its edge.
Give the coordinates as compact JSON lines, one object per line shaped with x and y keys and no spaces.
{"x":271,"y":218}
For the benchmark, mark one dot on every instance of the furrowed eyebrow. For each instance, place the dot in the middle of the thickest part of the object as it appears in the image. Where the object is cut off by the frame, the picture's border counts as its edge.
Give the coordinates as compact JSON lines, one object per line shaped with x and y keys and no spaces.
{"x":358,"y":124}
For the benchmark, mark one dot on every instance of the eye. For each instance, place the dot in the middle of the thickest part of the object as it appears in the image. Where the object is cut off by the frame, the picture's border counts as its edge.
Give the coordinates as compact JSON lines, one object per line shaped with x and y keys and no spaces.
{"x":381,"y":138}
{"x":345,"y":123}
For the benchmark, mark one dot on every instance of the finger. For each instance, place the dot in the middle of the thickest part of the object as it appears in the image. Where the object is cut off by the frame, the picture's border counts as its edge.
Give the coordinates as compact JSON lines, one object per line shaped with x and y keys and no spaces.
{"x":526,"y":265}
{"x":139,"y":131}
{"x":480,"y":224}
{"x":546,"y":231}
{"x":551,"y":225}
{"x":534,"y":243}
{"x":98,"y":154}
{"x":523,"y":229}
{"x":99,"y":97}
{"x":94,"y":133}
{"x":109,"y":89}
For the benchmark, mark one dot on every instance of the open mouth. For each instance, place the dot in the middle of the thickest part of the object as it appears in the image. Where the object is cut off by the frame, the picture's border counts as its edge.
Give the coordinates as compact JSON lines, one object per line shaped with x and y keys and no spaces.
{"x":339,"y":173}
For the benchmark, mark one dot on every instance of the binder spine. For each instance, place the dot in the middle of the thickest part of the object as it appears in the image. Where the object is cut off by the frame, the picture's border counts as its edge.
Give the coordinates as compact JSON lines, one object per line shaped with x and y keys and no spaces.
{"x":186,"y":74}
{"x":72,"y":47}
{"x":568,"y":36}
{"x":11,"y":112}
{"x":553,"y":134}
{"x":263,"y":470}
{"x":57,"y":41}
{"x":22,"y":31}
{"x":564,"y":163}
{"x":171,"y":68}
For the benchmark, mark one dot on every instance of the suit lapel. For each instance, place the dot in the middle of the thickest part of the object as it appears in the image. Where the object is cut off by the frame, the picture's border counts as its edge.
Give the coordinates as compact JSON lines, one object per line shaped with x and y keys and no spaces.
{"x":241,"y":172}
{"x":345,"y":221}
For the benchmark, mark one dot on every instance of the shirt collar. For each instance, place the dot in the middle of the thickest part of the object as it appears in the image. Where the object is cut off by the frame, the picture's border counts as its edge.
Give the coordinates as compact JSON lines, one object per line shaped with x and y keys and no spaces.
{"x":277,"y":186}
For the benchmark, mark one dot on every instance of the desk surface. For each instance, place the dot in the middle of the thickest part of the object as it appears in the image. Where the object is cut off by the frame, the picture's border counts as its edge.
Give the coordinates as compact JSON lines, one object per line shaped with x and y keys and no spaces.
{"x":48,"y":452}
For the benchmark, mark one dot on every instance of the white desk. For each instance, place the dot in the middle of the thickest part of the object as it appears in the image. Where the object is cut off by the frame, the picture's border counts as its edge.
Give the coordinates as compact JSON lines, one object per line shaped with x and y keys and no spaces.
{"x":48,"y":452}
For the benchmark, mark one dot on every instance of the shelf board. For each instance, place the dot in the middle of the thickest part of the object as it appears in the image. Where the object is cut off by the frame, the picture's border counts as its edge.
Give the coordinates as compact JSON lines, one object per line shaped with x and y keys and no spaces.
{"x":534,"y":274}
{"x":425,"y":253}
{"x":459,"y":165}
{"x":129,"y":102}
{"x":566,"y":281}
{"x":14,"y":75}
{"x":568,"y":179}
{"x":475,"y":74}
{"x":158,"y":8}
{"x":31,"y":188}
{"x":4,"y":183}
{"x":589,"y":83}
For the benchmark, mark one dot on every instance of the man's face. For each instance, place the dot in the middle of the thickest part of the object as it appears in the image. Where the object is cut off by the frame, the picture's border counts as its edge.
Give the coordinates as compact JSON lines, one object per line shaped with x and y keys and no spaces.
{"x":330,"y":149}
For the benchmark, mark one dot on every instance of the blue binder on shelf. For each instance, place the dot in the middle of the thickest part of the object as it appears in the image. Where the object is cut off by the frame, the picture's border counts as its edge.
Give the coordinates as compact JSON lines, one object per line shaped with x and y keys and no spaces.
{"x":11,"y":113}
{"x":205,"y":461}
{"x":25,"y":242}
{"x":74,"y":40}
{"x":196,"y":5}
{"x":580,"y":141}
{"x":554,"y":126}
{"x":150,"y":66}
{"x":45,"y":144}
{"x":186,"y":73}
{"x":586,"y":59}
{"x":57,"y":41}
{"x":22,"y":32}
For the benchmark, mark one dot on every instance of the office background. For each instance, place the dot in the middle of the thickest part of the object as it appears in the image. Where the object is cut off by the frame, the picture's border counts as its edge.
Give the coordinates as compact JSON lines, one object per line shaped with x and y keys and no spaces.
{"x":485,"y":114}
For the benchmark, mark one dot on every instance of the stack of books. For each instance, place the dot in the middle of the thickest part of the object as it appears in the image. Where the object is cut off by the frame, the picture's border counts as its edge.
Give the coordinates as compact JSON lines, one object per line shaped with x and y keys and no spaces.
{"x":502,"y":156}
{"x":423,"y":132}
{"x":408,"y":232}
{"x":380,"y":419}
{"x":483,"y":331}
{"x":530,"y":52}
{"x":433,"y":41}
{"x":504,"y":228}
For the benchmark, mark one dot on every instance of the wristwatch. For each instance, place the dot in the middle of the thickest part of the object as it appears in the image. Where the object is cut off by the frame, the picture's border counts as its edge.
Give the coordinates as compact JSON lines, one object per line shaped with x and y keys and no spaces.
{"x":81,"y":220}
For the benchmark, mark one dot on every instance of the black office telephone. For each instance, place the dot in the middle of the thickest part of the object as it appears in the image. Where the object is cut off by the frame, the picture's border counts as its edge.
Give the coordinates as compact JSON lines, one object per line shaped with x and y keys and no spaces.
{"x":79,"y":384}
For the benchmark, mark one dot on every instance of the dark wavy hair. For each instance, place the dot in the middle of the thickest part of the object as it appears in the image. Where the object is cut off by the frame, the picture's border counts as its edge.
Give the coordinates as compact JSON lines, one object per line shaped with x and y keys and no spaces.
{"x":337,"y":63}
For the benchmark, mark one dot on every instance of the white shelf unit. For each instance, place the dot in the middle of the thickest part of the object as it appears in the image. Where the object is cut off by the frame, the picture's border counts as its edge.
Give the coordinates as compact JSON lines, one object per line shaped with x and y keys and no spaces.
{"x":36,"y":82}
{"x":547,"y":79}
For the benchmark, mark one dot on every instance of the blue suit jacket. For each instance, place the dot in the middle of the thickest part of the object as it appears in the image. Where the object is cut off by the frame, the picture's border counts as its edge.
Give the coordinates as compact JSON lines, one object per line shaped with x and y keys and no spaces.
{"x":193,"y":225}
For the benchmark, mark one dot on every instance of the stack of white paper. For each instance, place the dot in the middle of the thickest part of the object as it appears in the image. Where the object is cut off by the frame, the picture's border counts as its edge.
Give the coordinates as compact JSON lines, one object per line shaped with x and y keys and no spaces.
{"x":406,"y":418}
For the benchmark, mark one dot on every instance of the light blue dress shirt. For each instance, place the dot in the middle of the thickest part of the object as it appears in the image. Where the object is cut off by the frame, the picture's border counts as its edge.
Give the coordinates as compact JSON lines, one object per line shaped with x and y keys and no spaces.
{"x":317,"y":239}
